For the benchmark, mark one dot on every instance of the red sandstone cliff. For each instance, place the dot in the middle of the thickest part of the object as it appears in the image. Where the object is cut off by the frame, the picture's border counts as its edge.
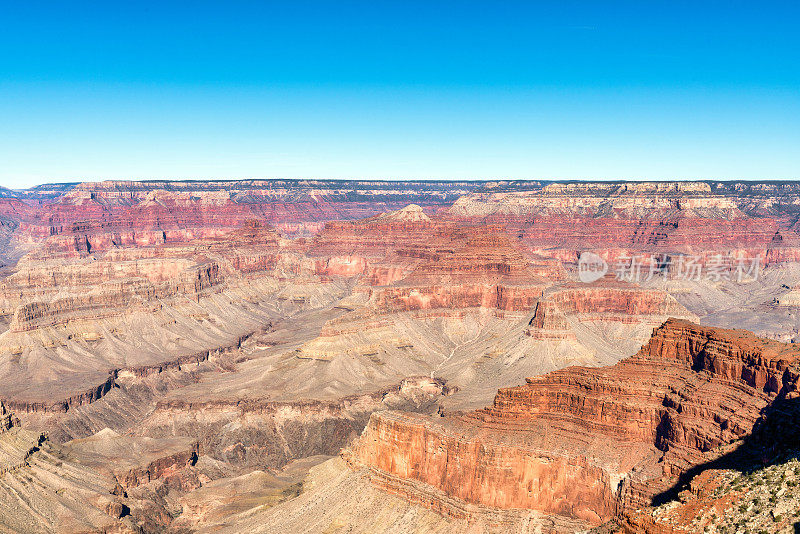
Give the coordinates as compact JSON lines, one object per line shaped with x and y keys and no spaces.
{"x":604,"y":300}
{"x":87,"y":217}
{"x":585,"y":442}
{"x":563,"y":219}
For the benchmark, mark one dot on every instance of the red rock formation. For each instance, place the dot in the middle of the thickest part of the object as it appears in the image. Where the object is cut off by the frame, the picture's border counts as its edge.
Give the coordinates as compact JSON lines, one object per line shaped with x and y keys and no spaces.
{"x":591,"y":443}
{"x":91,"y":217}
{"x":549,"y":322}
{"x":562,"y":220}
{"x":160,"y":467}
{"x":604,"y":301}
{"x":419,"y":263}
{"x":510,"y":298}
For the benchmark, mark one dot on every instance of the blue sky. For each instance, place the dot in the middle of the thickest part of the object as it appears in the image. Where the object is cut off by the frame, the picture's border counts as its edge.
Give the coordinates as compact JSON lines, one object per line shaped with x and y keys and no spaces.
{"x":467,"y":90}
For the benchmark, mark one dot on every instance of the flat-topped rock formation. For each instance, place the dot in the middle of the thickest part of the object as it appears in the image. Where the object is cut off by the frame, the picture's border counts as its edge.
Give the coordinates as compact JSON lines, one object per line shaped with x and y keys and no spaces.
{"x":133,"y":461}
{"x":703,"y":218}
{"x":80,"y":218}
{"x":477,"y":269}
{"x":590,"y":443}
{"x":600,"y":302}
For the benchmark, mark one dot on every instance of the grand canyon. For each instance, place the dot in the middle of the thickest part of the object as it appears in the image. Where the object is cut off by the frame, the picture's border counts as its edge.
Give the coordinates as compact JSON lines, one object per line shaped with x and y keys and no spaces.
{"x":272,"y":356}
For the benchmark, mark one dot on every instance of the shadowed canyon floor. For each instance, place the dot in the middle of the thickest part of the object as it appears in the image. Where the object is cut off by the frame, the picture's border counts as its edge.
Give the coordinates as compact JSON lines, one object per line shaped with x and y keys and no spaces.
{"x":279,"y":356}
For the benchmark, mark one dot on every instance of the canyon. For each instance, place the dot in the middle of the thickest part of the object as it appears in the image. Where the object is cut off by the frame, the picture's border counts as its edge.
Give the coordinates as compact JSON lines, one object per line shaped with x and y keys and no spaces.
{"x":352,"y":356}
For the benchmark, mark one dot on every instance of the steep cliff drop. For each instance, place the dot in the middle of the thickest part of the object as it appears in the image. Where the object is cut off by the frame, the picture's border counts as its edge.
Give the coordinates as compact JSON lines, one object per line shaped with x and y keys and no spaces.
{"x":589,"y":444}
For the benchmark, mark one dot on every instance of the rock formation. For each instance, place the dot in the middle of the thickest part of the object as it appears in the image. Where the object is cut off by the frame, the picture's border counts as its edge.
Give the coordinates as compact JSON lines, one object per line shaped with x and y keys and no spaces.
{"x":42,"y":490}
{"x":196,"y":348}
{"x":86,"y":217}
{"x":589,"y":443}
{"x":705,"y":219}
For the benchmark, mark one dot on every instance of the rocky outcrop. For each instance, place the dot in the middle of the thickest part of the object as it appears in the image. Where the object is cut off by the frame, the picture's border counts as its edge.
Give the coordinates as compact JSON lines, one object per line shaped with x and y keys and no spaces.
{"x":7,"y":419}
{"x":113,"y":298}
{"x":549,"y":322}
{"x":605,"y":302}
{"x":411,"y":213}
{"x":591,"y":443}
{"x":614,"y":301}
{"x":502,"y":297}
{"x":602,"y":302}
{"x":413,"y":262}
{"x":758,"y":498}
{"x":62,"y":405}
{"x":134,"y":461}
{"x":45,"y":491}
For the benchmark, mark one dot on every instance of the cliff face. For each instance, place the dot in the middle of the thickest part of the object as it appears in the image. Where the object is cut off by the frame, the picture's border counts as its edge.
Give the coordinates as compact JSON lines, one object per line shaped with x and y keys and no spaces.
{"x":411,"y":262}
{"x":562,"y":220}
{"x":474,"y":270}
{"x":502,"y":297}
{"x":45,"y":490}
{"x":113,"y":298}
{"x":89,"y":217}
{"x":494,"y":473}
{"x":591,"y":443}
{"x":600,"y":302}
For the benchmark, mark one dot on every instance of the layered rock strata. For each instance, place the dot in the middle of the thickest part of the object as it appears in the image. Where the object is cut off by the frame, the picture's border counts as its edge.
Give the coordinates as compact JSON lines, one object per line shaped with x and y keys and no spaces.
{"x":90,"y":217}
{"x":590,"y":443}
{"x":600,"y":302}
{"x":44,"y":491}
{"x":694,"y":218}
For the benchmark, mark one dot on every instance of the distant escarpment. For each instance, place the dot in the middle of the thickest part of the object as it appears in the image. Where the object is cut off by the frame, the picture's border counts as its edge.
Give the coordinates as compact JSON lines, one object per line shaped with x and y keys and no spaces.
{"x":589,"y":443}
{"x":694,"y":218}
{"x":89,"y":217}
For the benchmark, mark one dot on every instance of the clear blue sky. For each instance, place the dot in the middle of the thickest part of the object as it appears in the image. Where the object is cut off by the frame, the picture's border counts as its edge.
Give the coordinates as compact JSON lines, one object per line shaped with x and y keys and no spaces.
{"x":593,"y":90}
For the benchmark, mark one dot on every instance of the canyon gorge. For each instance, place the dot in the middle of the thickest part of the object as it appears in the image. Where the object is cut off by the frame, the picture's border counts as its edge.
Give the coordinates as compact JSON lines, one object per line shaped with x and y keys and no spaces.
{"x":394,"y":356}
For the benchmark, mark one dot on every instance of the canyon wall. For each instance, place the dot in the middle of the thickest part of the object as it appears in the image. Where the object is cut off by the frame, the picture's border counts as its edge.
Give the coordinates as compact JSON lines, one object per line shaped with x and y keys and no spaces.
{"x":618,"y":219}
{"x":86,"y":217}
{"x":591,"y":443}
{"x":222,"y":328}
